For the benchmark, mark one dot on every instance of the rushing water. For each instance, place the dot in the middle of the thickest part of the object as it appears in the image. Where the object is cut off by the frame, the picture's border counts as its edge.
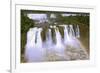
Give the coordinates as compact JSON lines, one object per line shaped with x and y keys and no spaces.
{"x":37,"y":50}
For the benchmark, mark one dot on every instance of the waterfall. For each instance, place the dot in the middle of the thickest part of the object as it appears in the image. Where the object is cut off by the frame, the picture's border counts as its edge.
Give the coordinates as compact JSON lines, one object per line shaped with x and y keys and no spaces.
{"x":49,"y":38}
{"x":30,"y":37}
{"x":70,"y":35}
{"x":36,"y":49}
{"x":58,"y":38}
{"x":77,"y":31}
{"x":59,"y":47}
{"x":71,"y":31}
{"x":49,"y":41}
{"x":39,"y":39}
{"x":66,"y":35}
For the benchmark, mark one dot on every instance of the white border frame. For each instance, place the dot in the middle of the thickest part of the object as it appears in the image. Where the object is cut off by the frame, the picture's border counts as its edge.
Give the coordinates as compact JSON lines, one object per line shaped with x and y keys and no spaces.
{"x":16,"y":66}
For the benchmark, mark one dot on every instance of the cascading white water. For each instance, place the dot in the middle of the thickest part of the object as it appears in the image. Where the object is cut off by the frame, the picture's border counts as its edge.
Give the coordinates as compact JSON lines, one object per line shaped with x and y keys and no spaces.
{"x":36,"y":49}
{"x":71,"y":31}
{"x":59,"y":47}
{"x":49,"y":42}
{"x":49,"y":38}
{"x":77,"y":31}
{"x":39,"y":39}
{"x":66,"y":35}
{"x":69,"y":35}
{"x":58,"y":38}
{"x":30,"y":37}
